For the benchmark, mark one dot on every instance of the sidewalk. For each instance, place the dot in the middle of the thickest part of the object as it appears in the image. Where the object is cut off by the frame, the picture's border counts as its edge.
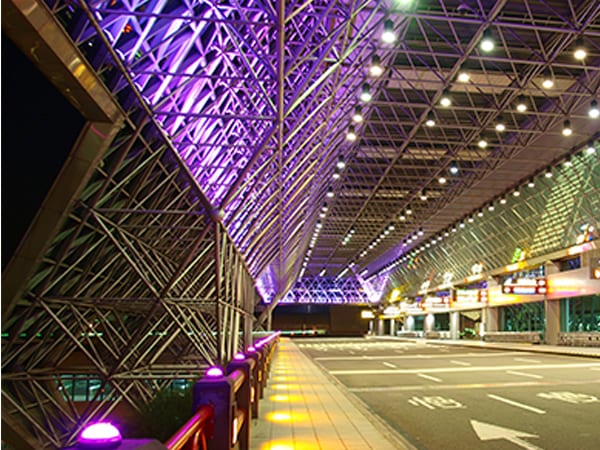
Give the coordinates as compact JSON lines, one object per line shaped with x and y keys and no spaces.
{"x":305,"y":409}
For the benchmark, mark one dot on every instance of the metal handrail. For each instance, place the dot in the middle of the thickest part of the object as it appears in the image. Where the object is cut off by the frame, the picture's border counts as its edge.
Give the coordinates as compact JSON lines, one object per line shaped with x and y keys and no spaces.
{"x":194,"y":430}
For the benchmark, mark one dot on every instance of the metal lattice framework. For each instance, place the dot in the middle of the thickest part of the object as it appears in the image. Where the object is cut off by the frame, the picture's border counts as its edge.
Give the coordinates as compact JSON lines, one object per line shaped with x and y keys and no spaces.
{"x":213,"y":133}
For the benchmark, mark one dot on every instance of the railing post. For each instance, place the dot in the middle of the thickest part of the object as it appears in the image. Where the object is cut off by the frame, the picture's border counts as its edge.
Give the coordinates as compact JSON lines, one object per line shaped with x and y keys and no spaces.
{"x":244,"y":396}
{"x":258,"y":386}
{"x":217,"y":391}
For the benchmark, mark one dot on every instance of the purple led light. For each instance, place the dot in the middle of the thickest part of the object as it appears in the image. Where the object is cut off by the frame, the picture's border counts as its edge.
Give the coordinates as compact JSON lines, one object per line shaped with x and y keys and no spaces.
{"x":251,"y":349}
{"x":239,"y":357}
{"x":214,"y":372}
{"x":99,"y":435}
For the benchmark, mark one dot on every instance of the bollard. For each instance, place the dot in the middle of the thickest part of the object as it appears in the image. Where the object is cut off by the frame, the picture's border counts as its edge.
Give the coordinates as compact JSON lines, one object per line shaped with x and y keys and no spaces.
{"x":217,"y":390}
{"x":245,"y":395}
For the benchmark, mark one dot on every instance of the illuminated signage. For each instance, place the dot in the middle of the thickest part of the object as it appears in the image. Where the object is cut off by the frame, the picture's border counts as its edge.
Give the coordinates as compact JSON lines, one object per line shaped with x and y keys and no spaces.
{"x":525,"y":286}
{"x":474,"y":297}
{"x":391,"y":311}
{"x":596,"y":273}
{"x":367,"y":314}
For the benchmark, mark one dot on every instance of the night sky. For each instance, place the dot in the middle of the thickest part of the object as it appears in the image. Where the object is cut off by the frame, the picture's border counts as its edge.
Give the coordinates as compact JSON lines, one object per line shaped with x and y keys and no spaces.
{"x":39,"y":128}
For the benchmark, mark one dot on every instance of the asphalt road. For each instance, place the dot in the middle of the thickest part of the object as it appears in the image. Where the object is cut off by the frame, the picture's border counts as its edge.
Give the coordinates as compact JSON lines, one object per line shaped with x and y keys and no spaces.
{"x":449,"y":397}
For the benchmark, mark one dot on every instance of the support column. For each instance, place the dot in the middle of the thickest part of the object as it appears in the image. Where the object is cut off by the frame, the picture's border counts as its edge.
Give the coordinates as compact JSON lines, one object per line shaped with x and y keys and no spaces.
{"x":392,"y":327}
{"x":380,"y":327}
{"x":429,"y":323}
{"x":409,"y":323}
{"x":552,"y":311}
{"x":455,"y":325}
{"x":492,"y":318}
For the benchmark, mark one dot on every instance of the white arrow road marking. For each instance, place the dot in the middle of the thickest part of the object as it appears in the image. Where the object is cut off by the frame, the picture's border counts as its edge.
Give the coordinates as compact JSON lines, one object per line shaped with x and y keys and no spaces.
{"x":513,"y":403}
{"x":429,"y":377}
{"x":488,"y":432}
{"x":523,"y":374}
{"x":460,"y":363}
{"x":389,"y":365}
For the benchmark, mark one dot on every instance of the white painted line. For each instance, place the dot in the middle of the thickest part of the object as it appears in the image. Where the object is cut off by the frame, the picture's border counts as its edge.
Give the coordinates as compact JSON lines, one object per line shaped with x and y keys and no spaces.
{"x":462,"y":369}
{"x":351,"y":352}
{"x":415,"y":401}
{"x":527,"y":360}
{"x":517,"y":404}
{"x":389,"y":365}
{"x":595,"y":368}
{"x":419,"y":356}
{"x":523,"y":374}
{"x":429,"y":377}
{"x":469,"y":386}
{"x":460,"y":363}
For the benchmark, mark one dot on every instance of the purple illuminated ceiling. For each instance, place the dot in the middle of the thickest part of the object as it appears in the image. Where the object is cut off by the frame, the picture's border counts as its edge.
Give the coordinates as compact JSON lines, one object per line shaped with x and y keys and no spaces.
{"x":257,"y":97}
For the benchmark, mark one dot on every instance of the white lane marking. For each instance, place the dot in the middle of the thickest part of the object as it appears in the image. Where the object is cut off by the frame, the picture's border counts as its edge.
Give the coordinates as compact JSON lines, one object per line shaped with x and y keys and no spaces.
{"x":429,"y":377}
{"x":467,"y":386}
{"x":595,"y":368}
{"x":419,"y":356}
{"x":517,"y":404}
{"x":528,"y":360}
{"x":393,"y":366}
{"x":523,"y":374}
{"x":415,"y":401}
{"x":351,"y":352}
{"x":462,"y":369}
{"x":460,"y":363}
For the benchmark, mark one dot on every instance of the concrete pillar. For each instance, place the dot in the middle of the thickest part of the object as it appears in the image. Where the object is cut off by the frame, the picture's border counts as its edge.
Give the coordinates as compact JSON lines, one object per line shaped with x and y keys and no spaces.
{"x":455,"y":325}
{"x":392,"y":327}
{"x":409,"y":324}
{"x":492,"y":318}
{"x":429,"y":323}
{"x":552,"y":311}
{"x":380,"y":327}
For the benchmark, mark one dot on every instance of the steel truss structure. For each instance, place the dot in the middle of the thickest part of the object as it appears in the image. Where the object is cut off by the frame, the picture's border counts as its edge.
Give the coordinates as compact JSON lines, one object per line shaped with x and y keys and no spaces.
{"x":214,"y":130}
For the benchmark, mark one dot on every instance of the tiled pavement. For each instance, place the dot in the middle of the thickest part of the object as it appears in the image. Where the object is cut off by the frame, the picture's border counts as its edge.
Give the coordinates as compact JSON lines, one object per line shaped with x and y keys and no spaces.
{"x":305,"y":409}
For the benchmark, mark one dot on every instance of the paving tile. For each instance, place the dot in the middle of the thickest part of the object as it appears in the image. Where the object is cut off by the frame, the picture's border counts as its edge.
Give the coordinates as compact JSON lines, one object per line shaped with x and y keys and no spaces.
{"x":311,"y":411}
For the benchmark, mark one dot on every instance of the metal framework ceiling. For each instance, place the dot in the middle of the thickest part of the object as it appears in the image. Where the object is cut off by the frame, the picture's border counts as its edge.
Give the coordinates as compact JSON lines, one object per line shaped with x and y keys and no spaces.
{"x":257,"y":98}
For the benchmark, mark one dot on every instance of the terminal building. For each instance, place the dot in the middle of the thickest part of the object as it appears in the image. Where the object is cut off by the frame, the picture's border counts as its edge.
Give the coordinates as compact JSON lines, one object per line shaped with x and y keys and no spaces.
{"x":426,"y":169}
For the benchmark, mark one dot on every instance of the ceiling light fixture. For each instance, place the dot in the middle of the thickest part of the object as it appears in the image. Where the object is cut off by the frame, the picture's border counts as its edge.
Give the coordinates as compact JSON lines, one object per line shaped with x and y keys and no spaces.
{"x":548,"y":173}
{"x":487,"y":41}
{"x":483,"y":143}
{"x":567,"y":130}
{"x":453,"y":168}
{"x":388,"y":36}
{"x":594,"y":111}
{"x":521,"y":104}
{"x":365,"y":93}
{"x":357,"y":117}
{"x":442,"y":180}
{"x":500,"y":126}
{"x":548,"y":82}
{"x":341,"y":164}
{"x":351,"y":134}
{"x":463,"y":76}
{"x":336,"y":174}
{"x":376,"y":68}
{"x":430,"y":122}
{"x":445,"y":99}
{"x":579,"y":52}
{"x":330,"y":193}
{"x":531,"y":183}
{"x":591,"y":149}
